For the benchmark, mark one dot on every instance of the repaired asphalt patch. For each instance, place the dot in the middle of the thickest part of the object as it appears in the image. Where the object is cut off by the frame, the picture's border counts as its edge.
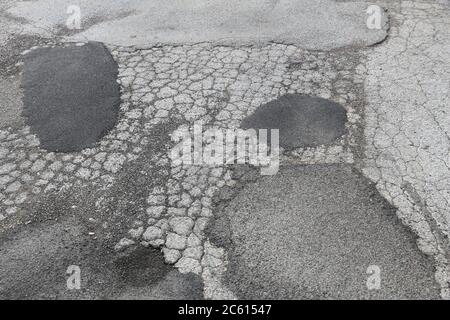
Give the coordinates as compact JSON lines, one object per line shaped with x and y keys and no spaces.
{"x":34,"y":263}
{"x":66,"y":228}
{"x":311,"y":232}
{"x":303,"y":121}
{"x":71,"y":95}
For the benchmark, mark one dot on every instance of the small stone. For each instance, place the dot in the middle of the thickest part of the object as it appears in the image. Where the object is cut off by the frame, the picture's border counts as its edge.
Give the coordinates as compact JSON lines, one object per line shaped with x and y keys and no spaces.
{"x":193,"y":252}
{"x":55,"y":166}
{"x":67,"y":157}
{"x":152,"y":233}
{"x":7,"y":168}
{"x":47,"y":175}
{"x":25,"y":164}
{"x":114,"y":162}
{"x":156,"y":200}
{"x":15,"y":174}
{"x":186,"y":265}
{"x":183,"y":98}
{"x":195,"y":192}
{"x":166,"y":92}
{"x":200,"y":225}
{"x":145,"y":244}
{"x":155,"y":211}
{"x":186,"y":200}
{"x":162,"y":113}
{"x":100,"y":157}
{"x":50,"y":187}
{"x":165,"y":104}
{"x":175,"y":241}
{"x":13,"y":187}
{"x":136,"y":233}
{"x":11,"y":210}
{"x":216,"y":172}
{"x":83,"y":173}
{"x":177,"y":211}
{"x":156,"y":243}
{"x":69,"y":167}
{"x":171,"y":256}
{"x":213,"y":251}
{"x":206,"y":212}
{"x":123,"y":243}
{"x":96,"y":165}
{"x":137,"y":224}
{"x":50,"y":156}
{"x":193,"y":241}
{"x":195,"y":209}
{"x":41,"y":182}
{"x":33,"y":156}
{"x":78,"y":159}
{"x":172,"y":200}
{"x":3,"y":152}
{"x":211,"y":261}
{"x":163,"y":224}
{"x":27,"y":178}
{"x":86,"y":163}
{"x":38,"y":165}
{"x":4,"y":180}
{"x":36,"y":190}
{"x":20,"y":198}
{"x":148,"y":98}
{"x":181,"y":225}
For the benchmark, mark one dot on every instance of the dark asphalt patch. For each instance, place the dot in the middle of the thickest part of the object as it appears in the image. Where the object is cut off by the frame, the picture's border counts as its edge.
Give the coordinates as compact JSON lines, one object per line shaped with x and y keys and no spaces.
{"x":33,"y":265}
{"x":71,"y":97}
{"x":311,"y":232}
{"x":34,"y":257}
{"x":303,"y":121}
{"x":34,"y":261}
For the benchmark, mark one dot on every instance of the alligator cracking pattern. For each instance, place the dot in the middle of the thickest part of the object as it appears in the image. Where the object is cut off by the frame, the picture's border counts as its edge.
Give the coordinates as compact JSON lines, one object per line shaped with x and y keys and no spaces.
{"x":181,"y":84}
{"x":408,"y":124}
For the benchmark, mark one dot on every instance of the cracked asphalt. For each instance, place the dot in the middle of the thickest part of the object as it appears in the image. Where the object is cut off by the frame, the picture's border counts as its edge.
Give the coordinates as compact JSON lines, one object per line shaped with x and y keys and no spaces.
{"x":359,"y":208}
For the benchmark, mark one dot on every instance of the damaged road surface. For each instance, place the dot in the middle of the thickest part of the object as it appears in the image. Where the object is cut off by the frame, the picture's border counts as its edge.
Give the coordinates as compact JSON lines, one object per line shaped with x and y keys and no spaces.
{"x":96,"y":202}
{"x":329,"y":228}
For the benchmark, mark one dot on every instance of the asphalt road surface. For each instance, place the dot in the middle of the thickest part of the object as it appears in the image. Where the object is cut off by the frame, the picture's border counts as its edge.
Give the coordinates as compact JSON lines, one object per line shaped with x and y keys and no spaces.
{"x":99,"y":100}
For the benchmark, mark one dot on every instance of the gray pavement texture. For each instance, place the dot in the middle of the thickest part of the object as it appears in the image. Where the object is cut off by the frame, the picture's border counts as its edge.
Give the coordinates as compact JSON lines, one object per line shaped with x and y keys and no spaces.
{"x":142,"y":226}
{"x":82,"y":226}
{"x":407,"y":124}
{"x":313,"y":24}
{"x":303,"y":121}
{"x":34,"y":262}
{"x":11,"y":102}
{"x":71,"y":96}
{"x":311,"y":232}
